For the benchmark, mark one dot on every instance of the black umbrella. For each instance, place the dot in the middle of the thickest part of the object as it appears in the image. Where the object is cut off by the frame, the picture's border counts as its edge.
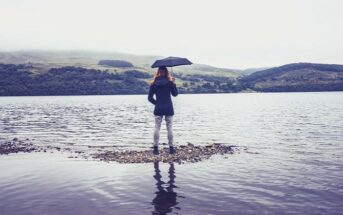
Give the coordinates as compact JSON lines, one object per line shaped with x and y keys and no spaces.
{"x":171,"y":61}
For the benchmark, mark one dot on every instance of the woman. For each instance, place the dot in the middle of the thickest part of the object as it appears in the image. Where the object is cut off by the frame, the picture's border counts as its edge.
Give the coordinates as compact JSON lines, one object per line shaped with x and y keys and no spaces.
{"x":163,"y":85}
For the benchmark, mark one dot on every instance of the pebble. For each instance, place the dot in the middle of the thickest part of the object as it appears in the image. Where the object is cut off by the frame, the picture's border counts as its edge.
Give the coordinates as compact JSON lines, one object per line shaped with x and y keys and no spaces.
{"x":183,"y":154}
{"x":15,"y":146}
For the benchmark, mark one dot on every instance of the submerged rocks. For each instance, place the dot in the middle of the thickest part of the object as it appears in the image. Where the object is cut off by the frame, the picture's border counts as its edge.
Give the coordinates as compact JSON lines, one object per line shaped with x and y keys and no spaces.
{"x":188,"y":153}
{"x":15,"y":146}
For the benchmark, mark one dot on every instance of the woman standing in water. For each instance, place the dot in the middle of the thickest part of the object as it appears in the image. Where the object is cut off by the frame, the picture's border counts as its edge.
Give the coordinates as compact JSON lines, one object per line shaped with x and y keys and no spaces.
{"x":163,"y":85}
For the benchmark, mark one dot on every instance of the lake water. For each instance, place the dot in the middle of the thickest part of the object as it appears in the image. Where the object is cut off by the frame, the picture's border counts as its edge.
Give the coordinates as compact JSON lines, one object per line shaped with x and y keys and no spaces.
{"x":293,"y":165}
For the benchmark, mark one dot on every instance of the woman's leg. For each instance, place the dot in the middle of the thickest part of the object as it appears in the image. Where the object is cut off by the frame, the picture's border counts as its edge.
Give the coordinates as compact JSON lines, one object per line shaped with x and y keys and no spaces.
{"x":169,"y":123}
{"x":158,"y":121}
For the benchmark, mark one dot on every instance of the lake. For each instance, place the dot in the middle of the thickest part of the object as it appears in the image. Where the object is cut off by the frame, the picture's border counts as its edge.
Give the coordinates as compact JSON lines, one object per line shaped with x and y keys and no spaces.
{"x":293,"y":163}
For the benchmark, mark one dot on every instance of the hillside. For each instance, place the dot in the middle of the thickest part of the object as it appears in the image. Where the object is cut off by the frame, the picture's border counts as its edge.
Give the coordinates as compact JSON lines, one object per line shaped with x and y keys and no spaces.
{"x":296,"y":77}
{"x":79,"y":73}
{"x":28,"y":79}
{"x":90,"y":60}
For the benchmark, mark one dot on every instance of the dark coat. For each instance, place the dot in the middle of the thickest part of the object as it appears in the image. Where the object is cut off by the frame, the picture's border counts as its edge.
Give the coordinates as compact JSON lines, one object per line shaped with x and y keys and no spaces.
{"x":162,"y":88}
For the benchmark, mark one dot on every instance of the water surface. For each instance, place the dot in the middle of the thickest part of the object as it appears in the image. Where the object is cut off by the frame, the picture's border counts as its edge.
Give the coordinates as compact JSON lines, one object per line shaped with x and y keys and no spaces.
{"x":294,"y":162}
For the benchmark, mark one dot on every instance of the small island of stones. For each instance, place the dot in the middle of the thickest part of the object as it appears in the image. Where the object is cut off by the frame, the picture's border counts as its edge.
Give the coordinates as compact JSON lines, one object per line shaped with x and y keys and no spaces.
{"x":184,"y":153}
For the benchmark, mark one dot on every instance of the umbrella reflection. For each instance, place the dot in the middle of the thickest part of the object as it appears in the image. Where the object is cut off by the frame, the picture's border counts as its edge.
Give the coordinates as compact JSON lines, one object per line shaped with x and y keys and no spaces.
{"x":165,"y":200}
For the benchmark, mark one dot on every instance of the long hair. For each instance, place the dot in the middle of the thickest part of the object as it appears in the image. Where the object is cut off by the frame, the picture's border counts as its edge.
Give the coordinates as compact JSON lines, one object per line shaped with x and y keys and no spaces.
{"x":162,"y":71}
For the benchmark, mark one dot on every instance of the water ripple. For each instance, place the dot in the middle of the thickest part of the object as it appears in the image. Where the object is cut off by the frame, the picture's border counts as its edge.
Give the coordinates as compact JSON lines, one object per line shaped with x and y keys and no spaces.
{"x":293,"y":163}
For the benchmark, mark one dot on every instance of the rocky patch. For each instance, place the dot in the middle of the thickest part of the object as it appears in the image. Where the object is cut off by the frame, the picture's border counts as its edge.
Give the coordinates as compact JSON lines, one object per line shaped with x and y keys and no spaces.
{"x":184,"y":153}
{"x":15,"y":146}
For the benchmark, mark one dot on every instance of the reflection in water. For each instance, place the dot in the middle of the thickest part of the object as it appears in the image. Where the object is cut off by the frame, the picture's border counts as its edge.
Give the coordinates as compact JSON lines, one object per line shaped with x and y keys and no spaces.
{"x":166,"y":199}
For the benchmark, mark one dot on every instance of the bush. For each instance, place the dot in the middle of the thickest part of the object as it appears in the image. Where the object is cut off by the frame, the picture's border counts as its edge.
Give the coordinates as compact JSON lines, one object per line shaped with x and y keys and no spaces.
{"x":115,"y":63}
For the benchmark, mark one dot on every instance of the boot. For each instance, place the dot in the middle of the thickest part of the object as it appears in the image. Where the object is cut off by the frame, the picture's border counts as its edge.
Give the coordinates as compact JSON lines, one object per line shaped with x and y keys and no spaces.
{"x":155,"y":150}
{"x":172,"y":150}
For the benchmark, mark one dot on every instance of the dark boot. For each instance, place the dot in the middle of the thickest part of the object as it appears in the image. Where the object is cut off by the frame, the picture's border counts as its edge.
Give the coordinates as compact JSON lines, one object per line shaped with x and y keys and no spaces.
{"x":172,"y":150}
{"x":155,"y":150}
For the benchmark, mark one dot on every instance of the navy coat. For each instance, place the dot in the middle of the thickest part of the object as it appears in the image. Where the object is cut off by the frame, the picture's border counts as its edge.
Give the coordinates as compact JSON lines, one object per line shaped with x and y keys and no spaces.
{"x":162,"y":88}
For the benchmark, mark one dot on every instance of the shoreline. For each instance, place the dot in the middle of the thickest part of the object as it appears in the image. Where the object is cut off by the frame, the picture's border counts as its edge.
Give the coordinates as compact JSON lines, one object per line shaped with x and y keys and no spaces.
{"x":181,"y":93}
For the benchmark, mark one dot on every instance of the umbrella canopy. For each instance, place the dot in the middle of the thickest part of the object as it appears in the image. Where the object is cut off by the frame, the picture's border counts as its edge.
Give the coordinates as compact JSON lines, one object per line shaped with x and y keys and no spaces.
{"x":171,"y":61}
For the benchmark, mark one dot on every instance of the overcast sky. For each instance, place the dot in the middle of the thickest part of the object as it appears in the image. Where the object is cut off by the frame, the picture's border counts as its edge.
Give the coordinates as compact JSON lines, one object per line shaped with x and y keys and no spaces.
{"x":223,"y":33}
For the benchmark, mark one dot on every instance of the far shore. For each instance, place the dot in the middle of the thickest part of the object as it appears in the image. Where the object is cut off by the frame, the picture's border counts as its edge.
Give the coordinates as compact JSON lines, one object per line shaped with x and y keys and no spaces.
{"x":144,"y":94}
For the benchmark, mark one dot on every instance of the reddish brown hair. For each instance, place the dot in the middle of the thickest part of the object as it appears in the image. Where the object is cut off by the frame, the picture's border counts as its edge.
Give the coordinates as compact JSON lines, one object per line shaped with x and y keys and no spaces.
{"x":162,"y":71}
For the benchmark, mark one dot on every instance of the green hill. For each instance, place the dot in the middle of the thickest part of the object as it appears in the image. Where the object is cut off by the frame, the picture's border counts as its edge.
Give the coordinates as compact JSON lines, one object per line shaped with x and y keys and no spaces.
{"x":79,"y":73}
{"x":296,"y":77}
{"x":90,"y":59}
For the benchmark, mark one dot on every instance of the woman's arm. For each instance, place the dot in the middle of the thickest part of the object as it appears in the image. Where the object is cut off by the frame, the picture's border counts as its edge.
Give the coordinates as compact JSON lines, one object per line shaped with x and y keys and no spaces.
{"x":151,"y":95}
{"x":174,"y":90}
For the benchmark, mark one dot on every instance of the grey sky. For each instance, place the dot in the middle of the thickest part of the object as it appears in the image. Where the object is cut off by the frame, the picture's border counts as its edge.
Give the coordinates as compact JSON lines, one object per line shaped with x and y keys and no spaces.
{"x":223,"y":33}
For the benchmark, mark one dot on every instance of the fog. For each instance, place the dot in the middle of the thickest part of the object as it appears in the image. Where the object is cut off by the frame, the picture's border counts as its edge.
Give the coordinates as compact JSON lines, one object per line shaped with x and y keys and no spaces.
{"x":223,"y":33}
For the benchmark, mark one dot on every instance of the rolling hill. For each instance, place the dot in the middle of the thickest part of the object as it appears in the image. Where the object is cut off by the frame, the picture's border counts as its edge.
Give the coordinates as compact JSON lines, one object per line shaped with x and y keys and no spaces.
{"x":103,"y":73}
{"x":296,"y":77}
{"x":91,"y":59}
